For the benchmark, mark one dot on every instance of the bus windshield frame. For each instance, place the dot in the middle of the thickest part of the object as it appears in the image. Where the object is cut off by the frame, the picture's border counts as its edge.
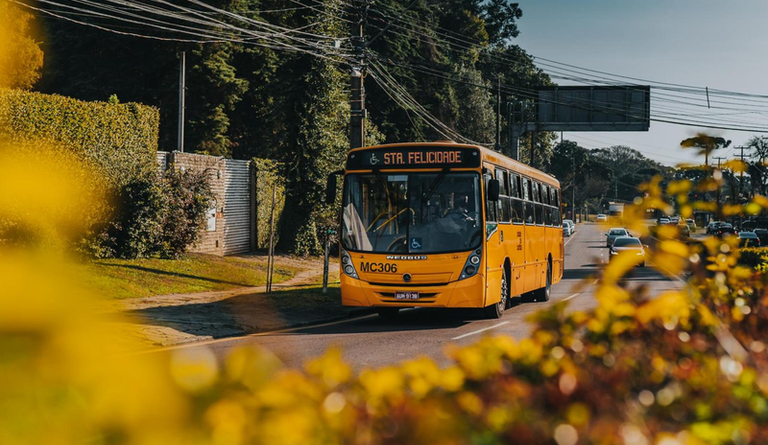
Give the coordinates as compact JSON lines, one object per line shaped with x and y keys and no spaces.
{"x":416,"y":212}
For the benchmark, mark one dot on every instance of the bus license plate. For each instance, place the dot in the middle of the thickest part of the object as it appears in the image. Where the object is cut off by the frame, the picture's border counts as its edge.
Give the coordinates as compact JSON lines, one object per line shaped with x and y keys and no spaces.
{"x":406,"y":295}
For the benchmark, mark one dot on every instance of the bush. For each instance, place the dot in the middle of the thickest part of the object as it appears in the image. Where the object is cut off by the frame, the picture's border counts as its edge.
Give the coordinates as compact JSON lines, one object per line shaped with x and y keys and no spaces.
{"x":188,"y":197}
{"x":156,"y":216}
{"x":120,"y":139}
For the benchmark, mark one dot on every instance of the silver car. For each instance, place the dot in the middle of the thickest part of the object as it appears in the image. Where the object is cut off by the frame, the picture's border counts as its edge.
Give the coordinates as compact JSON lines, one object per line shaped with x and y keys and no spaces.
{"x":614,"y":233}
{"x":628,"y":243}
{"x":570,"y":223}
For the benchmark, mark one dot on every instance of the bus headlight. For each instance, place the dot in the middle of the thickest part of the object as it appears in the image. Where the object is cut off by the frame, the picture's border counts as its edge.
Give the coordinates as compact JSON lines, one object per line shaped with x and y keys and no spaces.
{"x":471,"y":266}
{"x":346,"y":264}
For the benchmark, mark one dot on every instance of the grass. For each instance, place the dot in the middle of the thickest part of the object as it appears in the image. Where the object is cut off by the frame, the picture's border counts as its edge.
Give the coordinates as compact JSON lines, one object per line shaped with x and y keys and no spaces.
{"x":121,"y":279}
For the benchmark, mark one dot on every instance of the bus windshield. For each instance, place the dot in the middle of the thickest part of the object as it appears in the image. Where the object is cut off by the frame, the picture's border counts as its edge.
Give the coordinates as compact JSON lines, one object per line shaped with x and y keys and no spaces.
{"x":412,"y":212}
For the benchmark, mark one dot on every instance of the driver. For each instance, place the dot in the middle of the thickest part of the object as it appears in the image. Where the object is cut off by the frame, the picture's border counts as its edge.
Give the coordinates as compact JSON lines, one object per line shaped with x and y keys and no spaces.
{"x":461,"y":208}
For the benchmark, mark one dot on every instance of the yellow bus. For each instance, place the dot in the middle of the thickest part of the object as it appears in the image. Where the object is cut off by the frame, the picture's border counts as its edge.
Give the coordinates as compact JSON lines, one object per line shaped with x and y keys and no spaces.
{"x":446,"y":225}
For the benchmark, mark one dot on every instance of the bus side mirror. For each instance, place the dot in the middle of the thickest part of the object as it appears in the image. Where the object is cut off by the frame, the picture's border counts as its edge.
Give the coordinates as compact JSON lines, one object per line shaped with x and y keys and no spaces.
{"x":330,"y":189}
{"x":493,"y":190}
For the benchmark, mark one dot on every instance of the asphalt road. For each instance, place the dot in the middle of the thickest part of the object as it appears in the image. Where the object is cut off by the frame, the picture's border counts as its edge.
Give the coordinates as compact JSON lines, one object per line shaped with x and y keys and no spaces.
{"x":369,"y":341}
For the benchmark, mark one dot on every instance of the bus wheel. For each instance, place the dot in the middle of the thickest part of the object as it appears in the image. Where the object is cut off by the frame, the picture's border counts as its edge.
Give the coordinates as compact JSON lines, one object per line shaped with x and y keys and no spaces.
{"x":543,"y":293}
{"x":388,"y":313}
{"x":497,"y":310}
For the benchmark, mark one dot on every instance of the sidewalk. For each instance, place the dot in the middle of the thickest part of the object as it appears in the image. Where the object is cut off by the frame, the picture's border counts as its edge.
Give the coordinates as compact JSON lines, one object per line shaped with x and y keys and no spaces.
{"x":183,"y":318}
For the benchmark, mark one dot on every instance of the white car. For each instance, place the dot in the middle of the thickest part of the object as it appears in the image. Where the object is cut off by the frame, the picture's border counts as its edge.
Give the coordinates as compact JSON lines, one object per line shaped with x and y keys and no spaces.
{"x":628,"y":243}
{"x":570,"y":223}
{"x":601,"y":217}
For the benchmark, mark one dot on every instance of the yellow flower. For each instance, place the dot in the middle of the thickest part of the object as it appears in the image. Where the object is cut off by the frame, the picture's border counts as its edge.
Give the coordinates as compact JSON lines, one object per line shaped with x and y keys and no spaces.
{"x":668,"y":307}
{"x":330,"y":368}
{"x":384,"y":382}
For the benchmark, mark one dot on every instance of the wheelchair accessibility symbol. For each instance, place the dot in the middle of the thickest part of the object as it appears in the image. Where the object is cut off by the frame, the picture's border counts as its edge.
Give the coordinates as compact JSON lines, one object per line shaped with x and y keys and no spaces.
{"x":415,"y":243}
{"x":374,"y":159}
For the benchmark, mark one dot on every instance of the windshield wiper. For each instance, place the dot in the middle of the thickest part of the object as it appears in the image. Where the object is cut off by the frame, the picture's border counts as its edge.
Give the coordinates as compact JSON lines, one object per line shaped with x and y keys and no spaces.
{"x":435,"y":184}
{"x":431,"y":191}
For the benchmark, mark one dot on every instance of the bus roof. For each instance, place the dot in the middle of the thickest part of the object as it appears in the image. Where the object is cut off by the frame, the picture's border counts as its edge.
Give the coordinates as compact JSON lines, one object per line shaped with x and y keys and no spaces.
{"x":487,"y":154}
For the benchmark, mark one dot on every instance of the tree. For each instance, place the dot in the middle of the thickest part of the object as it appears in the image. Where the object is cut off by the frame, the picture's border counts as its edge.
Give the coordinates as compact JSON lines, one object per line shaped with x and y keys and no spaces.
{"x":758,"y":147}
{"x":21,"y":58}
{"x":319,"y":139}
{"x":217,"y":89}
{"x":705,"y":144}
{"x":476,"y":117}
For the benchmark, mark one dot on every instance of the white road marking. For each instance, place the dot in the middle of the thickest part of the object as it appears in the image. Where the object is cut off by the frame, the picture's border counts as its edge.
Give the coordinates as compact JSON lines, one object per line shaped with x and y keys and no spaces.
{"x":572,"y":296}
{"x":480,"y":330}
{"x":241,"y":337}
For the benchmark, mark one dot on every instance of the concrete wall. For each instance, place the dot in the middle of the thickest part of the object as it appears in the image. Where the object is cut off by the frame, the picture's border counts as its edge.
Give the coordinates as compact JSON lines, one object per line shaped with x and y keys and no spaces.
{"x":230,"y":229}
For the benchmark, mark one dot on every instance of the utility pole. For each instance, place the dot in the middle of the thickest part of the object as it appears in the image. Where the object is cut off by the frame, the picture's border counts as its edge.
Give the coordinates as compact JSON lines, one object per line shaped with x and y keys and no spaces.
{"x":573,"y":188}
{"x":498,"y":114}
{"x":741,"y":174}
{"x":182,"y":100}
{"x":357,"y":105}
{"x":513,"y":141}
{"x":721,"y":175}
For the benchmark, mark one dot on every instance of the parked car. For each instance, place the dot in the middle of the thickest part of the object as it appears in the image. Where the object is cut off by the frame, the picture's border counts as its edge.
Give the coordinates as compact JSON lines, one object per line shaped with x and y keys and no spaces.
{"x":572,"y":224}
{"x":691,"y":224}
{"x":748,"y":239}
{"x":662,"y":221}
{"x":567,"y":229}
{"x":628,"y":243}
{"x":751,"y":224}
{"x":762,"y":234}
{"x":724,"y":229}
{"x":712,"y":227}
{"x":684,"y":230}
{"x":614,"y":233}
{"x":601,"y":217}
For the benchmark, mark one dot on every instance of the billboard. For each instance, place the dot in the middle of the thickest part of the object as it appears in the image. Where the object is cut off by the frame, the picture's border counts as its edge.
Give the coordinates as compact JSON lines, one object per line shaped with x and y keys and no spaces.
{"x":593,"y":108}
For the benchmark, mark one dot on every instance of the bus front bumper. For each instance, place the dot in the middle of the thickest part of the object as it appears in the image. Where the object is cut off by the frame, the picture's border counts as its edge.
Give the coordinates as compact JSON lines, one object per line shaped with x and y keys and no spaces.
{"x":468,"y":293}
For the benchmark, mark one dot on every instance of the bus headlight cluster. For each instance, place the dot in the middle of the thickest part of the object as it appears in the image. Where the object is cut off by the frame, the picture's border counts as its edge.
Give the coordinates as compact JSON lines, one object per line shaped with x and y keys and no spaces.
{"x":472,"y":265}
{"x":346,"y":264}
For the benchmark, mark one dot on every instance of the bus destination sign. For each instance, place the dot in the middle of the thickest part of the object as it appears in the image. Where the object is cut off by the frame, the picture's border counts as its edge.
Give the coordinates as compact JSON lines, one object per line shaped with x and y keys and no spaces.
{"x":414,"y":157}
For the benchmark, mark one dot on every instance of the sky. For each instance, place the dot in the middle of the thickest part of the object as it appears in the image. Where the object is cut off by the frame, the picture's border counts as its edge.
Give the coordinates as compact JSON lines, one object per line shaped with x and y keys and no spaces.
{"x":718,"y":44}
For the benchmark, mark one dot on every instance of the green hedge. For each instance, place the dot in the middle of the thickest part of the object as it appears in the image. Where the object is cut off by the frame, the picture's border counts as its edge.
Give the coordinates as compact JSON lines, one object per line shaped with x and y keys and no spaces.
{"x":268,"y":174}
{"x":121,"y":139}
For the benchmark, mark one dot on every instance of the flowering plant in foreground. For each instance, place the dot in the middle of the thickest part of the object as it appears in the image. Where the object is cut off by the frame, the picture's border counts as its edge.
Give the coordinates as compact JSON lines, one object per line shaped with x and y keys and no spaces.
{"x":688,"y":366}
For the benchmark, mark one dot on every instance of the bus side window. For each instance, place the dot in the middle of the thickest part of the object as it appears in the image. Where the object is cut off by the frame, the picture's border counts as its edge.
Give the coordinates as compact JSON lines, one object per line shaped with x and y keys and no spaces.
{"x":539,"y":214}
{"x":529,"y":213}
{"x":517,"y":210}
{"x":514,"y":185}
{"x":502,"y":176}
{"x":526,"y":189}
{"x":503,"y":208}
{"x":490,"y":206}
